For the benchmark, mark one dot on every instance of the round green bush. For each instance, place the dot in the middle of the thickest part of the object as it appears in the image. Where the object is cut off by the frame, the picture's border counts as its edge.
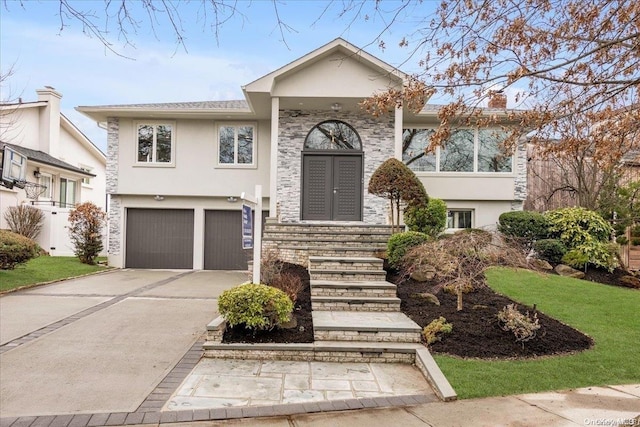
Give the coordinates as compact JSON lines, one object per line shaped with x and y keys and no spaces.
{"x":551,"y":250}
{"x":577,"y":226}
{"x":255,"y":306}
{"x":400,"y":243}
{"x":430,"y":219}
{"x":526,"y":226}
{"x":15,"y":249}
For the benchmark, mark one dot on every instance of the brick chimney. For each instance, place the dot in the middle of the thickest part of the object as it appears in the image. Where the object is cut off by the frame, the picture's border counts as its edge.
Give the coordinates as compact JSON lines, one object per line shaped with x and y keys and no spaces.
{"x":497,"y":99}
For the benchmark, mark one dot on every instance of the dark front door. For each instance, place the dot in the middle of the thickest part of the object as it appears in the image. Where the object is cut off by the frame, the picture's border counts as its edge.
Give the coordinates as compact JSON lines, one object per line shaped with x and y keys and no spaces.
{"x":332,"y":187}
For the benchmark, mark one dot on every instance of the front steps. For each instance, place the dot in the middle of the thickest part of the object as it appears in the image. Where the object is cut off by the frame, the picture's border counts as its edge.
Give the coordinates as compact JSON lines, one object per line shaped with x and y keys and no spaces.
{"x":356,"y":312}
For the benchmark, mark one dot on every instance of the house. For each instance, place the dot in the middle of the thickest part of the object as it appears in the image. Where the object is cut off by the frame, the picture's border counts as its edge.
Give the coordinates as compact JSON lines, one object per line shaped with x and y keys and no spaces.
{"x":63,"y":166}
{"x":175,"y":171}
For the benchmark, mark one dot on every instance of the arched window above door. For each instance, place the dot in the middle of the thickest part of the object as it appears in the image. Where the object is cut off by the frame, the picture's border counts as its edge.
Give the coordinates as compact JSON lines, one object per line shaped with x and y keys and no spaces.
{"x":333,"y":135}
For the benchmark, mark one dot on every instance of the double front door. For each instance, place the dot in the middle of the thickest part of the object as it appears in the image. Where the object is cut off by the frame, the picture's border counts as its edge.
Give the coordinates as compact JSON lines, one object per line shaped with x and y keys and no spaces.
{"x":332,"y":186}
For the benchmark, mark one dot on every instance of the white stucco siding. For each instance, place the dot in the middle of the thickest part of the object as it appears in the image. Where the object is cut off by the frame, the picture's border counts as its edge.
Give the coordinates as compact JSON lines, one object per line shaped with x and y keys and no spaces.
{"x":469,"y":187}
{"x":74,"y":153}
{"x":485,"y":213}
{"x":21,"y":126}
{"x":338,"y":75}
{"x":195,"y":170}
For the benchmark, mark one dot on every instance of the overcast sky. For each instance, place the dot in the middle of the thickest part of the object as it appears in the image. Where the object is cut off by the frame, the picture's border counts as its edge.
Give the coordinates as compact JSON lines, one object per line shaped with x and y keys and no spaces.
{"x":248,"y":46}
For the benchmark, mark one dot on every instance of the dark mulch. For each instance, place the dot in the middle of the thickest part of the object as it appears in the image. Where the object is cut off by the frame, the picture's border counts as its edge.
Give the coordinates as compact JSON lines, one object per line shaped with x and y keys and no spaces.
{"x":301,"y":333}
{"x":603,"y":276}
{"x":476,"y":331}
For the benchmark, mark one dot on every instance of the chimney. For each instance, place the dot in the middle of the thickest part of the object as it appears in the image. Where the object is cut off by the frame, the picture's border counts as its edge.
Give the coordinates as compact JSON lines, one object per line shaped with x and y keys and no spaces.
{"x":49,"y":120}
{"x":497,"y":99}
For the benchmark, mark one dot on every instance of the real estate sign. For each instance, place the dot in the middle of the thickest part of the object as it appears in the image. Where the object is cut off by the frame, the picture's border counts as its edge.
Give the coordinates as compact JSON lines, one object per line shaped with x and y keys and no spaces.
{"x":247,"y":227}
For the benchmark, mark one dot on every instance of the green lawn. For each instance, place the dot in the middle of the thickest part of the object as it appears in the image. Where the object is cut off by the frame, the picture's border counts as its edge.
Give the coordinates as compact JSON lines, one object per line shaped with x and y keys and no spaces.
{"x":44,"y":269}
{"x":608,"y":314}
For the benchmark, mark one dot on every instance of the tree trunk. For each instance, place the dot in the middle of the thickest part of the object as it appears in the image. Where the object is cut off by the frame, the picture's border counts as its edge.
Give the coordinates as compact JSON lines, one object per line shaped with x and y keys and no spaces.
{"x":459,"y":292}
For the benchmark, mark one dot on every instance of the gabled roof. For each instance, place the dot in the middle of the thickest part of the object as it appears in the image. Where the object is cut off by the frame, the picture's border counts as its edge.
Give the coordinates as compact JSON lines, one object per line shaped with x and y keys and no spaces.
{"x":82,"y":138}
{"x":44,"y":158}
{"x":265,"y":83}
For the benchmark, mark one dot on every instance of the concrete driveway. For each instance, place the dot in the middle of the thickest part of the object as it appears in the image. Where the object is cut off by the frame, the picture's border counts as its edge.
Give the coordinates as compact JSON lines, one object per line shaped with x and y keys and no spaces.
{"x":101,"y":343}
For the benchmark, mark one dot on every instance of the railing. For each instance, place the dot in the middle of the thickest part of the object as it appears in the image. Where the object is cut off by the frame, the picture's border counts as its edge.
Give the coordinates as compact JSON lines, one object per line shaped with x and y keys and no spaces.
{"x":52,"y":203}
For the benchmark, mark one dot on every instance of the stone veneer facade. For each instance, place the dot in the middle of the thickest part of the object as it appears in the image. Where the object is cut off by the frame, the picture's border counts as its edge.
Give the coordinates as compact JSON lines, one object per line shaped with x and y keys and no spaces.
{"x":377,"y":135}
{"x":115,"y":232}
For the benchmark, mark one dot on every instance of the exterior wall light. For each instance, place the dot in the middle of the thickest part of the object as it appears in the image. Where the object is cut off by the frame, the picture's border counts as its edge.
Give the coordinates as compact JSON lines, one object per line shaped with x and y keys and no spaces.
{"x":158,"y":198}
{"x":232,"y":199}
{"x":336,"y":107}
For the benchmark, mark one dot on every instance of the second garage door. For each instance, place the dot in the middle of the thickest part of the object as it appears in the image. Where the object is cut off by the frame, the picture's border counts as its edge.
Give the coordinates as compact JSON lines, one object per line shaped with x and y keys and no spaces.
{"x":159,"y":238}
{"x":222,"y":241}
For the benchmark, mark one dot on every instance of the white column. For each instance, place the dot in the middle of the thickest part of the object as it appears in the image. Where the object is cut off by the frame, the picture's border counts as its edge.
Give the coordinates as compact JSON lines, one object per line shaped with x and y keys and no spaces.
{"x":273,"y":171}
{"x":198,"y":238}
{"x":398,"y":125}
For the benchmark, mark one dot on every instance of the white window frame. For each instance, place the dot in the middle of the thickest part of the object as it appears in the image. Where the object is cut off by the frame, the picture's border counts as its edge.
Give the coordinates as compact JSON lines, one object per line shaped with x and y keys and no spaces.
{"x":153,"y":162}
{"x":254,"y":151}
{"x":86,"y":180}
{"x":50,"y":188}
{"x":476,"y":152}
{"x":473,"y":219}
{"x":76,"y":193}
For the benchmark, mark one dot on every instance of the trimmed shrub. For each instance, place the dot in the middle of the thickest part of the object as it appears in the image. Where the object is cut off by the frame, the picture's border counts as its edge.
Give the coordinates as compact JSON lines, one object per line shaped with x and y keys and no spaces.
{"x":24,"y":220}
{"x":577,"y":226}
{"x":394,"y":181}
{"x":438,"y":326}
{"x":15,"y":249}
{"x":256,"y":306}
{"x":586,"y":234}
{"x":598,"y":254}
{"x":400,"y":243}
{"x":525,"y":226}
{"x":551,"y":250}
{"x":430,"y":219}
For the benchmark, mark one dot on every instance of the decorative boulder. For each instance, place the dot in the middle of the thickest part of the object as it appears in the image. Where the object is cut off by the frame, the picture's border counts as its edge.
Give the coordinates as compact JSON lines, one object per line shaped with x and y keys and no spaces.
{"x":431,"y":298}
{"x":565,"y":270}
{"x":540,"y":264}
{"x":630,"y":282}
{"x":423,"y":273}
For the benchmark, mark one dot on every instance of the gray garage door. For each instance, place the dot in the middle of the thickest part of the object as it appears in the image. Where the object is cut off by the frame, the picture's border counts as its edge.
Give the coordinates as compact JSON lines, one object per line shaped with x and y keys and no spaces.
{"x":222,"y":241}
{"x":159,"y":238}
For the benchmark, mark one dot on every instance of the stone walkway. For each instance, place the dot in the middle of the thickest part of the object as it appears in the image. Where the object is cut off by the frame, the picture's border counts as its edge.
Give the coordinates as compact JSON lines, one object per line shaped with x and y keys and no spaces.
{"x":219,"y":383}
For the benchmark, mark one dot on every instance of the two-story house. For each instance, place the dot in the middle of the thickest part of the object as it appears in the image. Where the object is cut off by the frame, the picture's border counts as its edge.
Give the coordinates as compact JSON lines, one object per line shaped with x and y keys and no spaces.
{"x":65,"y":165}
{"x":175,"y":171}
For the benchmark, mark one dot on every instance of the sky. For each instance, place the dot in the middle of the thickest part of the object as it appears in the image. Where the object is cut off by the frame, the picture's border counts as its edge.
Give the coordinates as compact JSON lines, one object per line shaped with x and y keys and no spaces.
{"x":154,"y":68}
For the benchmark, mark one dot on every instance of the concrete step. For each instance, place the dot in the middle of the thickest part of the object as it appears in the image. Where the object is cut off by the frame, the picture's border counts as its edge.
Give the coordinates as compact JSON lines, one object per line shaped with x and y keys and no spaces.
{"x":327,"y":228}
{"x":328,"y":351}
{"x":365,"y":326}
{"x":343,"y":251}
{"x":341,"y":288}
{"x":320,"y":263}
{"x":324,"y":240}
{"x":348,"y":275}
{"x":355,"y":303}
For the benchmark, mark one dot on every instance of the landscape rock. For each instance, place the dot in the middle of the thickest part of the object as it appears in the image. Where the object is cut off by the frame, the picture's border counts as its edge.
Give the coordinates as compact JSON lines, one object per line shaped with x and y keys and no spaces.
{"x":423,"y":273}
{"x":566,"y":271}
{"x":427,"y":297}
{"x":630,"y":282}
{"x":540,"y":264}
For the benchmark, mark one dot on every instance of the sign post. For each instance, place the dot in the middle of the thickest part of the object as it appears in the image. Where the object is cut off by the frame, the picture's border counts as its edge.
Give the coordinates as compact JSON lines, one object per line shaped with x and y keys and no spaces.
{"x":256,"y":201}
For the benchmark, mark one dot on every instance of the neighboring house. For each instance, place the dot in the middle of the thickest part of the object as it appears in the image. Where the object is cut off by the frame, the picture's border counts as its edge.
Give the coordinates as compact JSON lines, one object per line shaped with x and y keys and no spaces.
{"x":175,"y":171}
{"x":69,"y":168}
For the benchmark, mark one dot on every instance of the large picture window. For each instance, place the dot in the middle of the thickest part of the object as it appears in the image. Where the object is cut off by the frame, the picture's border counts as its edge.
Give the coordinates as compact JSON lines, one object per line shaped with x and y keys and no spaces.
{"x":155,"y":143}
{"x":467,"y":150}
{"x":236,"y":144}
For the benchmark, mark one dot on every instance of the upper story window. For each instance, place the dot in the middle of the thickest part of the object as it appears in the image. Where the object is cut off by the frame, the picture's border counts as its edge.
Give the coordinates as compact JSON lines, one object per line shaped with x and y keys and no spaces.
{"x":155,"y":143}
{"x":332,"y":135}
{"x":236,"y":144}
{"x":467,"y":150}
{"x":87,"y":179}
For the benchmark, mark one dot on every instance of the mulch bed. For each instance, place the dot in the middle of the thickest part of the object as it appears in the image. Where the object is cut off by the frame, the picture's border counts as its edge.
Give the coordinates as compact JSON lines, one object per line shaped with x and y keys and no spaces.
{"x":301,"y":333}
{"x":603,"y":276}
{"x":476,"y":330}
